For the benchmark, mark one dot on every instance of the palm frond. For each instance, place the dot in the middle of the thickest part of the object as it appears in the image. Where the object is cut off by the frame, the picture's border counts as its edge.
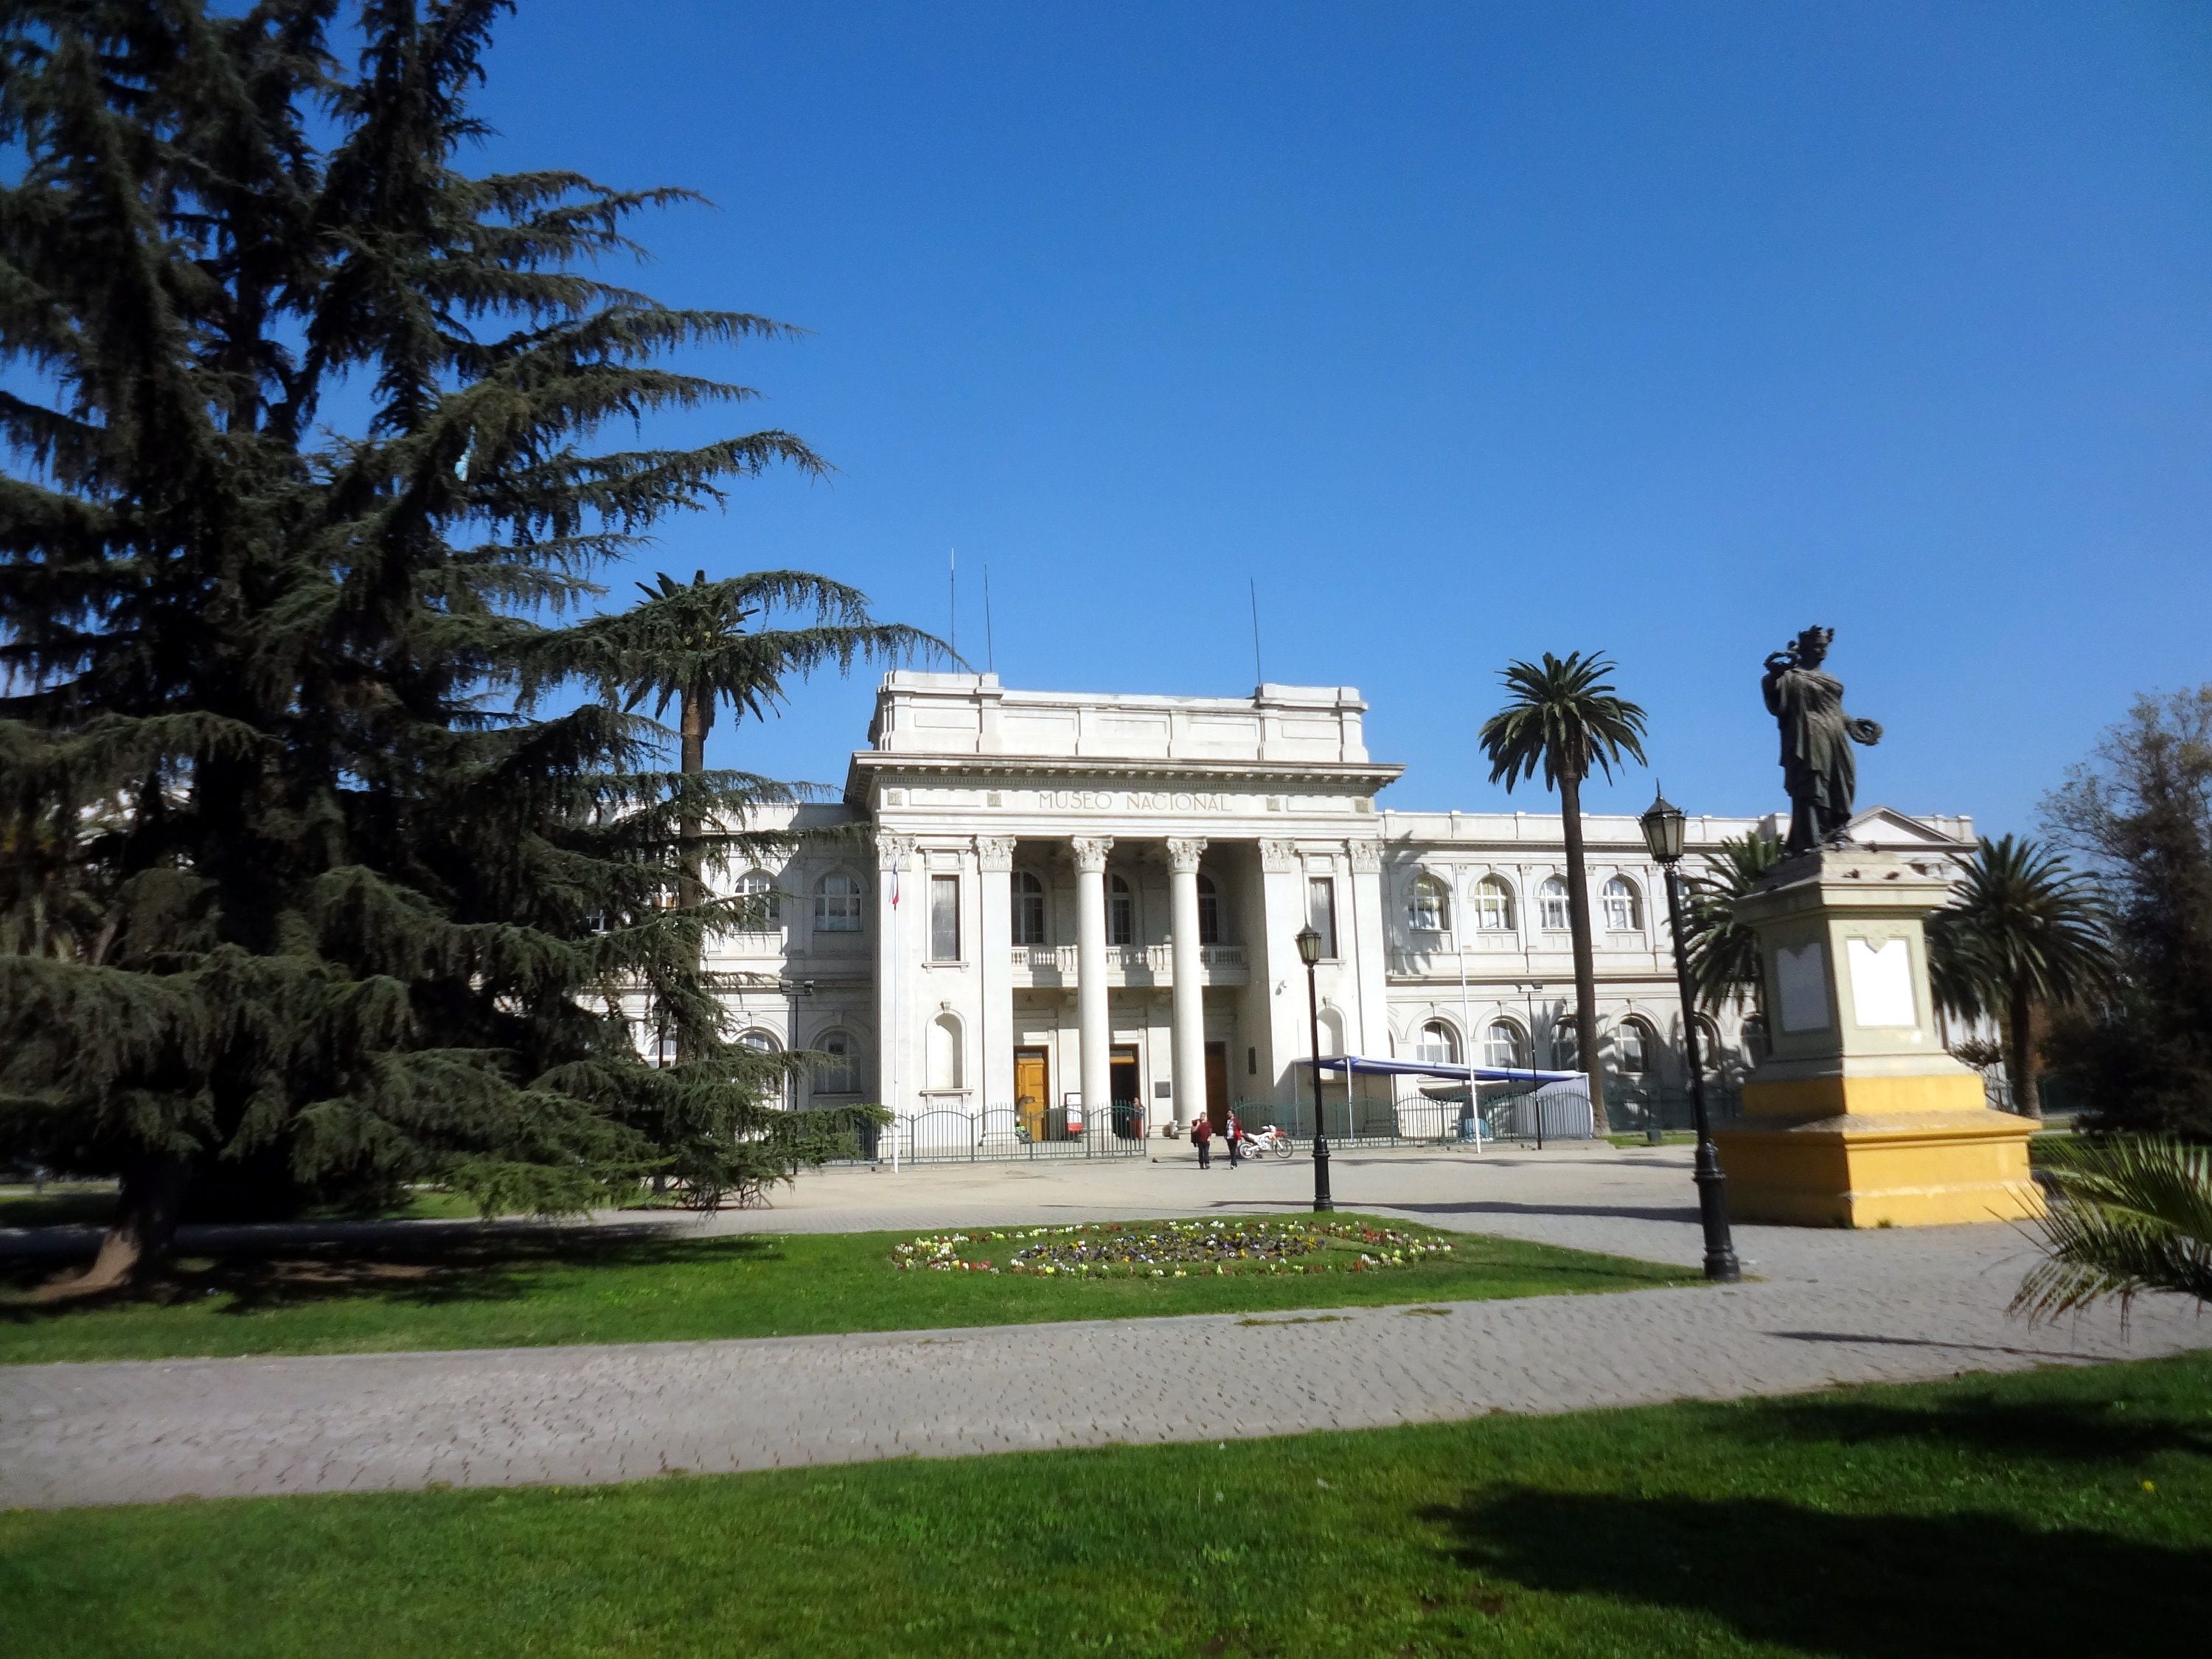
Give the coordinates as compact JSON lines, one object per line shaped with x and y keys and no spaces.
{"x":1564,"y":719}
{"x":2132,"y":1214}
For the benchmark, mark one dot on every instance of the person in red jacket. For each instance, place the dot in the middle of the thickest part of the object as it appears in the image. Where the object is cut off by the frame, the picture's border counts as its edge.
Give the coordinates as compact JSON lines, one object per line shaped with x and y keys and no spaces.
{"x":1233,"y":1134}
{"x":1201,"y":1136}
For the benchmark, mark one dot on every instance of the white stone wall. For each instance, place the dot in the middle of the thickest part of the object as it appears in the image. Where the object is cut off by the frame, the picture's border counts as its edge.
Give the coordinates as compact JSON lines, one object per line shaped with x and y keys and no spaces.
{"x":966,"y":779}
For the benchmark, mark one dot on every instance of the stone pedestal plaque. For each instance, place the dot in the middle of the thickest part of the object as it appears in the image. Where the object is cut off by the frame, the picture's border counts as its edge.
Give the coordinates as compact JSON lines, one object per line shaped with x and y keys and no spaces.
{"x":1857,"y":1117}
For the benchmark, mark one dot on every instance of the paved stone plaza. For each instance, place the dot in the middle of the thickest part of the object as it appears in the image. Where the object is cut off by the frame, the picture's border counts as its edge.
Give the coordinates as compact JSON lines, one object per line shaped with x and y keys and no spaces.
{"x":1827,"y":1307}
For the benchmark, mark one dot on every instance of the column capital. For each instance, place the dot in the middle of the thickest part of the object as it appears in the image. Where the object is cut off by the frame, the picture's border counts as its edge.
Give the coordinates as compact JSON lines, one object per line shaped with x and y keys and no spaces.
{"x":893,"y":851}
{"x":1278,"y":857}
{"x":1183,"y":854}
{"x":1091,"y":853}
{"x":1366,"y":857}
{"x":996,"y":852}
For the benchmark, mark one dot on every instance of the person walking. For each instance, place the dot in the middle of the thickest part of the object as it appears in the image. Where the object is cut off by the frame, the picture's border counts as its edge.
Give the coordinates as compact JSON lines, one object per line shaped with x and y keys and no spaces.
{"x":1201,"y":1136}
{"x":1233,"y":1133}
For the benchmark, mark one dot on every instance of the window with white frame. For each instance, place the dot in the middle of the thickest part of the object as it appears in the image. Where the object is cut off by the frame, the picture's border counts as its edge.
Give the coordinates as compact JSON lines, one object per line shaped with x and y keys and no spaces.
{"x":944,"y":918}
{"x":834,"y":1074}
{"x":1438,"y":1045}
{"x":1552,"y":905}
{"x":758,"y":905}
{"x":1029,"y":908}
{"x":1320,"y":912}
{"x":837,"y":904}
{"x":1209,"y":911}
{"x":1502,"y":1047}
{"x":1624,"y":906}
{"x":1566,"y":1045}
{"x":1120,"y":912}
{"x":1493,"y":905}
{"x":764,"y":1042}
{"x":1631,"y":1049}
{"x":1426,"y":907}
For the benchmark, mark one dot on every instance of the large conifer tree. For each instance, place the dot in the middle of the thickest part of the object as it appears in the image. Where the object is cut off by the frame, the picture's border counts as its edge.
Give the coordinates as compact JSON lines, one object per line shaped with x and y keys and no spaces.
{"x":300,"y":474}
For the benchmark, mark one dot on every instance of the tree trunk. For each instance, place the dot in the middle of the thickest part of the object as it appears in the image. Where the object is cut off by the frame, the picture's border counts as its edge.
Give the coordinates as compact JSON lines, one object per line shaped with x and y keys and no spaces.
{"x":692,"y":724}
{"x":2019,"y":1054}
{"x":1578,"y":922}
{"x":145,"y":1227}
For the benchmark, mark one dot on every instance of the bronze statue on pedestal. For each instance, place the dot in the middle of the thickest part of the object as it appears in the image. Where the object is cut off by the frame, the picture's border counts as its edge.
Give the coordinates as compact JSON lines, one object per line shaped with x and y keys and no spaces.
{"x":1817,"y":767}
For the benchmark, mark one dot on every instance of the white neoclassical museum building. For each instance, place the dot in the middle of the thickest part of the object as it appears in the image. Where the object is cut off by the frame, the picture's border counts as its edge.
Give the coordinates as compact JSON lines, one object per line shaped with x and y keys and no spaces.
{"x":1088,"y":903}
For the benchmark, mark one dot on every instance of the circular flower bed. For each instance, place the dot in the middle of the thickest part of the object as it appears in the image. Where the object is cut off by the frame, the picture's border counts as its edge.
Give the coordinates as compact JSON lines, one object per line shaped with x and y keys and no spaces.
{"x":1165,"y":1249}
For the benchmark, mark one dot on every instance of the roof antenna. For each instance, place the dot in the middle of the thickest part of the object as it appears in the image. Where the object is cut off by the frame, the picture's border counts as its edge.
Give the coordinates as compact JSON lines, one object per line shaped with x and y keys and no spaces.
{"x":952,"y":588}
{"x":1259,"y":674}
{"x":990,"y":653}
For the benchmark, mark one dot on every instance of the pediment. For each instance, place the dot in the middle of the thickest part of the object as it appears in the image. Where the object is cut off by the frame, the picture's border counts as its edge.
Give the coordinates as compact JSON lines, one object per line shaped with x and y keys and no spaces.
{"x":1885,"y":827}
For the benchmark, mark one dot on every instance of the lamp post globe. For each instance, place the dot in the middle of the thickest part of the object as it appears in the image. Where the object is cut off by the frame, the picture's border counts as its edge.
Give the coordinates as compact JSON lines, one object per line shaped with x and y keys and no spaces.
{"x":1308,"y":943}
{"x":1662,"y":824}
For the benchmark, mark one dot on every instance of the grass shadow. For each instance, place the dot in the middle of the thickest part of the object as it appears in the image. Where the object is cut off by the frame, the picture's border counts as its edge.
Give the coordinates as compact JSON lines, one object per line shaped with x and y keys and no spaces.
{"x":1856,"y":1586}
{"x":505,"y":1264}
{"x":2053,"y":1430}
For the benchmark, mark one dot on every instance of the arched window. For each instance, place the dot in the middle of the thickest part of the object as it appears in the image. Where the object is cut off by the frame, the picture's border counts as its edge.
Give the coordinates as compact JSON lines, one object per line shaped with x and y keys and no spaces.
{"x":1754,"y":1039}
{"x":662,"y":1050}
{"x":837,"y":904}
{"x":834,"y":1075}
{"x":1029,"y":908}
{"x":1709,"y":1051}
{"x":1209,"y":911}
{"x":1566,"y":1046}
{"x":764,"y":1042}
{"x":944,"y":1058}
{"x":1624,"y":906}
{"x":1427,"y":906}
{"x":1120,"y":912}
{"x":1493,"y":905}
{"x":1438,"y":1045}
{"x":1631,"y":1049}
{"x":1552,"y":905}
{"x":1332,"y":1031}
{"x":760,"y":907}
{"x":1502,"y":1047}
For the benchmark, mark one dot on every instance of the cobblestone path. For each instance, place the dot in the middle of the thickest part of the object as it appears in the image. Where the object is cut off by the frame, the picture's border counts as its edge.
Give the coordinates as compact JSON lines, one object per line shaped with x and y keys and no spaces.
{"x":1835,"y":1307}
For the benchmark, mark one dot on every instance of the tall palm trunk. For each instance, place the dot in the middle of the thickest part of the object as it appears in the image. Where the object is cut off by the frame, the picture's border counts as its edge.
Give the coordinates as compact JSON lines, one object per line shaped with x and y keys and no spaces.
{"x":2020,"y":1052}
{"x":1578,"y":924}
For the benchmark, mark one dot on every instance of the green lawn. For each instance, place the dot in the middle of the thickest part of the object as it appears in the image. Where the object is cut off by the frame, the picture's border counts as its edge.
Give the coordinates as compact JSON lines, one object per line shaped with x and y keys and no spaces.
{"x":514,"y":1287}
{"x":2066,"y":1512}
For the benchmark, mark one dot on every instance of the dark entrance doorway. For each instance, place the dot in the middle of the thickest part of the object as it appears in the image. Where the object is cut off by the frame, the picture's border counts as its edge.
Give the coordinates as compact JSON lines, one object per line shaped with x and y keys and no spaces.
{"x":1216,"y":1085}
{"x":1125,"y":1093}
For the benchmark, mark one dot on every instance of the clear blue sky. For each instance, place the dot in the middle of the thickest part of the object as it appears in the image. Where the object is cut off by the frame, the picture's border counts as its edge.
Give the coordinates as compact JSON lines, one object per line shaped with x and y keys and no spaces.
{"x":1470,"y":331}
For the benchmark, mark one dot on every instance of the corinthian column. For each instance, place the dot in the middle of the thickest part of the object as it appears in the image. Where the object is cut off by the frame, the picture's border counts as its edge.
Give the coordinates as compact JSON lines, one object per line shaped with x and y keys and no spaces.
{"x":1091,"y":1023}
{"x":1190,"y":983}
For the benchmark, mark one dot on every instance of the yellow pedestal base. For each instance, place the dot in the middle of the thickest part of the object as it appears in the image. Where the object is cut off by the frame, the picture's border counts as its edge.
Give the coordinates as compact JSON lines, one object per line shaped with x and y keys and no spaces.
{"x":1873,"y":1152}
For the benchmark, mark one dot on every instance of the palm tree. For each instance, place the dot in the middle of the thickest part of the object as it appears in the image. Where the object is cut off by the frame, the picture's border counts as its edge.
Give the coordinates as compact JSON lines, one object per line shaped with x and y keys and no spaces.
{"x":2135,"y":1214}
{"x":702,"y":644}
{"x":2023,"y":932}
{"x":1565,"y":719}
{"x":1724,"y":953}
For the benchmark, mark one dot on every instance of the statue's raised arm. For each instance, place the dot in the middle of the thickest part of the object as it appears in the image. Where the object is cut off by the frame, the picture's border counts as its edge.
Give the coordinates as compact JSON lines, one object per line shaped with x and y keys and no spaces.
{"x":1818,"y":768}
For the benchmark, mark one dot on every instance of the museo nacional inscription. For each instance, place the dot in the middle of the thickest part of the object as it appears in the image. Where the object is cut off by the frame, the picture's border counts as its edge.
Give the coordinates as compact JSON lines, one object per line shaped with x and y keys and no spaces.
{"x":1129,"y":800}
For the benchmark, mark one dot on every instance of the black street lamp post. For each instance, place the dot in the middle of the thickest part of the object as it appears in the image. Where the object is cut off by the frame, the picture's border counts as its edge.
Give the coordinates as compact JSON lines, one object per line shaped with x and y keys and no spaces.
{"x":1309,"y":942}
{"x":1663,"y":835}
